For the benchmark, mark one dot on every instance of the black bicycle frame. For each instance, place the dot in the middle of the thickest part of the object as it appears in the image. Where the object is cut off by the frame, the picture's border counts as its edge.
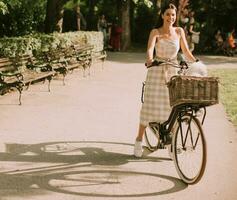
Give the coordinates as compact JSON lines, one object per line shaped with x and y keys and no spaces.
{"x":164,"y":129}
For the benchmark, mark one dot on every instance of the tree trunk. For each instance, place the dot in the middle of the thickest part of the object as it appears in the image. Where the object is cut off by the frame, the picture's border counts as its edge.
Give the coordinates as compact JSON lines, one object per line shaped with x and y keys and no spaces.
{"x":50,"y":16}
{"x":125,"y":18}
{"x":91,"y":18}
{"x":78,"y":14}
{"x":54,"y":15}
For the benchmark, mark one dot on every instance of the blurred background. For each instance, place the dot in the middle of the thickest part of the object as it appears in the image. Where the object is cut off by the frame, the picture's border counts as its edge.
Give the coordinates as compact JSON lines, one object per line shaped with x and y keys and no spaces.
{"x":135,"y":17}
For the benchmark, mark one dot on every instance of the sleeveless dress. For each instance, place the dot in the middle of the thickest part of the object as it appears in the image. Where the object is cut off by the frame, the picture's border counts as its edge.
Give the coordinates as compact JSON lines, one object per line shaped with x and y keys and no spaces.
{"x":156,"y":107}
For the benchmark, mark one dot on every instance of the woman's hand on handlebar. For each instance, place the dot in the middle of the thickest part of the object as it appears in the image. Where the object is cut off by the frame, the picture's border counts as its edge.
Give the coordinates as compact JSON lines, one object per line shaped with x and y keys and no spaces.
{"x":148,"y":63}
{"x":183,"y":64}
{"x":153,"y":63}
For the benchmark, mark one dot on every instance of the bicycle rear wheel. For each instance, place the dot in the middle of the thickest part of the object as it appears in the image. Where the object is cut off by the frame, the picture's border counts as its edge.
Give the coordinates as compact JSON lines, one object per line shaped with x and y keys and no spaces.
{"x":189,"y":149}
{"x":152,"y":138}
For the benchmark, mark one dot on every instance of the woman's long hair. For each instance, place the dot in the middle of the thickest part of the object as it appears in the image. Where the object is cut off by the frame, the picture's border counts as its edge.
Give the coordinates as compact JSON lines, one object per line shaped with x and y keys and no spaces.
{"x":163,"y":9}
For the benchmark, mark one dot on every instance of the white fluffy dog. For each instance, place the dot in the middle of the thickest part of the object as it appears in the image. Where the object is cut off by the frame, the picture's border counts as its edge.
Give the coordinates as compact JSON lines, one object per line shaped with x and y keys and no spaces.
{"x":197,"y":69}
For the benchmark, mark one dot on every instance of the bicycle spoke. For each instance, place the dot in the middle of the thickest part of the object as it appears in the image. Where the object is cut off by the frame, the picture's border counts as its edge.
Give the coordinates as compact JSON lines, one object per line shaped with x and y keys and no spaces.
{"x":196,"y":140}
{"x":189,"y":149}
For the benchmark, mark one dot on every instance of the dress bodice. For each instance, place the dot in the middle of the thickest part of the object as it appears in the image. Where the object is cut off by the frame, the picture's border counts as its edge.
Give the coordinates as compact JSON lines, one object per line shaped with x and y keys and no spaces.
{"x":167,"y":48}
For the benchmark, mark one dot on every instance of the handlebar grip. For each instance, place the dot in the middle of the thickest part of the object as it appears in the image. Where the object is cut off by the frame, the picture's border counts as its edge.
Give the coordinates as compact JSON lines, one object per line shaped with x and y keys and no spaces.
{"x":154,"y":63}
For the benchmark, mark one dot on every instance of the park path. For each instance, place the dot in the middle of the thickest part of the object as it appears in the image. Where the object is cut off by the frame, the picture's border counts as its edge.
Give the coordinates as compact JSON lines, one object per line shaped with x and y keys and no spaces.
{"x":77,"y":141}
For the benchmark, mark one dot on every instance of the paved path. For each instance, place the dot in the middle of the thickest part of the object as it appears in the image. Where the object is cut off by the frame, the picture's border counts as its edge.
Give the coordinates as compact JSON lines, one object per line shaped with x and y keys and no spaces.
{"x":77,"y":142}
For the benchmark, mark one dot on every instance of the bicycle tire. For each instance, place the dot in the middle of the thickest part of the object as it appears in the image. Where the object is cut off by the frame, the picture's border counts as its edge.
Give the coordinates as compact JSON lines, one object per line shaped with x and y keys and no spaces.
{"x":152,"y":139}
{"x":190,"y":127}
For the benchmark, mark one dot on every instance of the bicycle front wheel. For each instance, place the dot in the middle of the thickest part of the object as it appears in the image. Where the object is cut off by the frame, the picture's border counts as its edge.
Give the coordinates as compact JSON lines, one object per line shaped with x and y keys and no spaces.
{"x":189,"y":149}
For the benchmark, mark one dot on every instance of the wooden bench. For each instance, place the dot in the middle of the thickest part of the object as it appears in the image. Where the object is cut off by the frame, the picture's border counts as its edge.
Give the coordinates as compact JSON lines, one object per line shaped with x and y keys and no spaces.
{"x":9,"y":77}
{"x":18,"y":73}
{"x":83,"y":55}
{"x":56,"y":64}
{"x":64,"y":60}
{"x":99,"y":55}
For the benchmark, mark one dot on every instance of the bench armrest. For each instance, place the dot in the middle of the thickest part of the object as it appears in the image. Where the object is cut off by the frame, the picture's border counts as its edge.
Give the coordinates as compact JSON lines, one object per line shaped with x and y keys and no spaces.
{"x":16,"y":74}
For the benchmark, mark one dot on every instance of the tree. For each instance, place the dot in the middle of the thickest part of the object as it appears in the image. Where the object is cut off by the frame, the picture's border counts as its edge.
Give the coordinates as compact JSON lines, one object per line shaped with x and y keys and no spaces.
{"x":213,"y":15}
{"x":3,"y":8}
{"x":54,"y":15}
{"x":21,"y":17}
{"x":91,"y":15}
{"x":80,"y":18}
{"x":125,"y":19}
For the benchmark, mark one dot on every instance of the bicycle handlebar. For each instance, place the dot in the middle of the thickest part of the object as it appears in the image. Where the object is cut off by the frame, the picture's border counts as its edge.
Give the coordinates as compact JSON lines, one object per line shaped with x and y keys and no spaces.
{"x":181,"y":65}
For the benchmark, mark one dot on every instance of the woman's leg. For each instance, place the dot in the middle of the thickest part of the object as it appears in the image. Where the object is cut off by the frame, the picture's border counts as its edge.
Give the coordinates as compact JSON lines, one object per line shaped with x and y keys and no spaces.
{"x":138,"y":143}
{"x":141,"y":132}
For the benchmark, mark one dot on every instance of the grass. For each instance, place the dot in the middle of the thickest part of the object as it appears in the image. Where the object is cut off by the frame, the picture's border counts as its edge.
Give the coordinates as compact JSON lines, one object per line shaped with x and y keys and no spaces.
{"x":228,"y":90}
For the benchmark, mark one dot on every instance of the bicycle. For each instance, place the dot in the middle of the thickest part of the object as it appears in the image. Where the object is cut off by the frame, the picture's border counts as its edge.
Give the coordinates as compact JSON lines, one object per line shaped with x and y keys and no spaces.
{"x":182,"y":133}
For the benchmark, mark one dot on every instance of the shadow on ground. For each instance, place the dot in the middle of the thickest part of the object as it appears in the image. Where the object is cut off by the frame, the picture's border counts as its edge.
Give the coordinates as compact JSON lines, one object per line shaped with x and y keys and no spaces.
{"x":86,"y":168}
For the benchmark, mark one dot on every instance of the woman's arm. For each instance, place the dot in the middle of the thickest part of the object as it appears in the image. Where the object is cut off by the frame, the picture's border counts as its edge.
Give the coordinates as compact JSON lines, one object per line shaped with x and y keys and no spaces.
{"x":184,"y":46}
{"x":151,"y":46}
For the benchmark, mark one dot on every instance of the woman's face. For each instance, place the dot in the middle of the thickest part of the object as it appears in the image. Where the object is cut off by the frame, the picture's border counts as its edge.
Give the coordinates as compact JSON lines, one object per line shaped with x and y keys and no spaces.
{"x":169,"y":16}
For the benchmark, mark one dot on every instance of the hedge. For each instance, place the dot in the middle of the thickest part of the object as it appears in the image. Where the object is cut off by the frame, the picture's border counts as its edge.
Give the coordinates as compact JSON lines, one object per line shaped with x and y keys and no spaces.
{"x":36,"y":43}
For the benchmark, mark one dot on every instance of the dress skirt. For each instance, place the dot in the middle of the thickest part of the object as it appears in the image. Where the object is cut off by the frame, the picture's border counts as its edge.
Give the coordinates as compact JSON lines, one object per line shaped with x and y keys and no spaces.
{"x":156,"y":106}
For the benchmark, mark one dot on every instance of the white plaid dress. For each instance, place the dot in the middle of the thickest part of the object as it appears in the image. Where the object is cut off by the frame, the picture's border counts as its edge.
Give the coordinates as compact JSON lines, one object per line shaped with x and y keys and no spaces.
{"x":156,"y":107}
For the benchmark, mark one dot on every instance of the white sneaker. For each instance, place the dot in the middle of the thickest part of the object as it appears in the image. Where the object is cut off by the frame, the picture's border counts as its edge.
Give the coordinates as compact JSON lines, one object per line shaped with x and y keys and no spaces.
{"x":138,"y":149}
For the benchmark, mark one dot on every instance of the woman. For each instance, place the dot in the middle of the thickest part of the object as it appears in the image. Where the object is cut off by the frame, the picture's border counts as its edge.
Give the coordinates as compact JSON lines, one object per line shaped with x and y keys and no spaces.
{"x":191,"y":32}
{"x":102,"y":27}
{"x":184,"y":20}
{"x":218,"y":44}
{"x":231,"y":39}
{"x":115,"y":37}
{"x":166,"y":39}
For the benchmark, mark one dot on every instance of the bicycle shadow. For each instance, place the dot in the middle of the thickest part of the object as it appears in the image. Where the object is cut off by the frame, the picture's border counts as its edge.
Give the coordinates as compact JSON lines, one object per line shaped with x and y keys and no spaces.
{"x":63,"y":151}
{"x":71,"y":168}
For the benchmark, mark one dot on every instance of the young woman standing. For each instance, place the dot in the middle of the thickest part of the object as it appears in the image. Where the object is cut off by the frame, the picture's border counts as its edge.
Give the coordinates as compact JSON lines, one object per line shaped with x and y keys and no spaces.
{"x":166,"y":39}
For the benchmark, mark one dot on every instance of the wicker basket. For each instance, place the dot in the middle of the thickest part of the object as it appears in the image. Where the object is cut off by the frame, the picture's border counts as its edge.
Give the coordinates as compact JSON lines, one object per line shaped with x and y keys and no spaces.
{"x":193,"y":90}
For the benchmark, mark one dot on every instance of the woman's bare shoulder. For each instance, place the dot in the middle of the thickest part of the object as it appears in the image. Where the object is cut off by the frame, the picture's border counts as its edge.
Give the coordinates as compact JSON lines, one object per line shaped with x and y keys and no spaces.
{"x":154,"y":31}
{"x":179,"y":31}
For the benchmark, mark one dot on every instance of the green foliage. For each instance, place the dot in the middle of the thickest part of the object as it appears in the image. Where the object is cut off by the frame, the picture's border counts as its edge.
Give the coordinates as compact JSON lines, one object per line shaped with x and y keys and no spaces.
{"x":109,"y":8}
{"x":228,"y":88}
{"x":144,"y":21}
{"x":3,"y":8}
{"x":38,"y":43}
{"x":213,"y":15}
{"x":17,"y":46}
{"x":70,"y":5}
{"x":23,"y":17}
